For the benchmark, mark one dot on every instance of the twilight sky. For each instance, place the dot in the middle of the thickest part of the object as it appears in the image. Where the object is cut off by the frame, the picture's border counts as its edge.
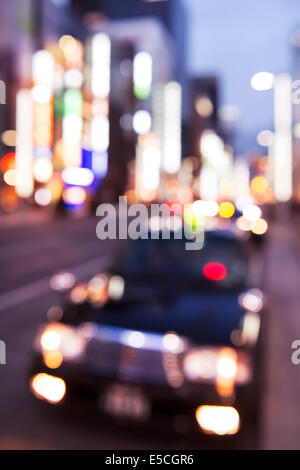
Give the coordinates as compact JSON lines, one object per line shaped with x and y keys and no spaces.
{"x":235,"y":39}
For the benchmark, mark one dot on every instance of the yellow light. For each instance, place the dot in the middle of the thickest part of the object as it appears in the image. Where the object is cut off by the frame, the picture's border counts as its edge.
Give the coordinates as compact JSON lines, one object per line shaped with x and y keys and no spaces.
{"x":259,"y":227}
{"x":218,"y":420}
{"x":259,"y":184}
{"x":53,"y":359}
{"x":47,"y":387}
{"x":226,"y":210}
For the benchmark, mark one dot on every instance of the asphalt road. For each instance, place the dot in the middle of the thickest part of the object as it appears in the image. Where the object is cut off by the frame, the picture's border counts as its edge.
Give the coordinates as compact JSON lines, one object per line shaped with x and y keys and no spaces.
{"x":30,"y":251}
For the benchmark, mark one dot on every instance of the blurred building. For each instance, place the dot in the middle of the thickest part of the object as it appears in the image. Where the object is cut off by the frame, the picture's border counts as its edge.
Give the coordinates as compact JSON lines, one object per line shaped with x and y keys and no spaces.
{"x":204,"y":110}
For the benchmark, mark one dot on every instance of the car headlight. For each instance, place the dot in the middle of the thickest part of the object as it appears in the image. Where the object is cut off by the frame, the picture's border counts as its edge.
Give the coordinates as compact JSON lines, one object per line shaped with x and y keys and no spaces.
{"x":58,"y":342}
{"x":209,"y":364}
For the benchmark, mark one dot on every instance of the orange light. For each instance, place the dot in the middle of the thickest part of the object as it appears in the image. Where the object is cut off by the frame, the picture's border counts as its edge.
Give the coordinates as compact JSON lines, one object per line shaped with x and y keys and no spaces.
{"x":53,"y":359}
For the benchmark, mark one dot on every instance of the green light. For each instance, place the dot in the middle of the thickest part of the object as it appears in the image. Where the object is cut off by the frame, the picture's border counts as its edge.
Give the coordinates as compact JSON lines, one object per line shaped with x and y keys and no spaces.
{"x":142,"y":93}
{"x":73,"y":102}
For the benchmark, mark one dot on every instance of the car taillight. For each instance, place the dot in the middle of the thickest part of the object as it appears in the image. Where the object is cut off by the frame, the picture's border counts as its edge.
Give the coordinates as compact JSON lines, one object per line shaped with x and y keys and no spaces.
{"x":215,"y":271}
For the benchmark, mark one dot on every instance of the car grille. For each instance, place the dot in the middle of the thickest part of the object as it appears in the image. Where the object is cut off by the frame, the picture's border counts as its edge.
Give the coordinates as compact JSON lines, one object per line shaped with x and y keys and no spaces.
{"x":116,"y":360}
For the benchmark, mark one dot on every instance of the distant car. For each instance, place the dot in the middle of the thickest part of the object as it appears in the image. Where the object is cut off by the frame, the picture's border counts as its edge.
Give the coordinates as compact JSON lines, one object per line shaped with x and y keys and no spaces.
{"x":168,"y":332}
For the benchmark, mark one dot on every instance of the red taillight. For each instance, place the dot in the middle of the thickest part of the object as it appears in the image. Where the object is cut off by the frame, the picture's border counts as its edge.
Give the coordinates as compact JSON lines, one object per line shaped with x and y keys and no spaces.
{"x":215,"y":271}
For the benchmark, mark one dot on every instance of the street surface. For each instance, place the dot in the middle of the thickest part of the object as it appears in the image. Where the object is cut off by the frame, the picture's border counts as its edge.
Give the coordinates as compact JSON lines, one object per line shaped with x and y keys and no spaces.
{"x":31,"y":252}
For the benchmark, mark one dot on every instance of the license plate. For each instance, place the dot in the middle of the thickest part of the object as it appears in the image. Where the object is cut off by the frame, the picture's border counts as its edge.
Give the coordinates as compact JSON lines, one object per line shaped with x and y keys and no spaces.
{"x":125,"y":401}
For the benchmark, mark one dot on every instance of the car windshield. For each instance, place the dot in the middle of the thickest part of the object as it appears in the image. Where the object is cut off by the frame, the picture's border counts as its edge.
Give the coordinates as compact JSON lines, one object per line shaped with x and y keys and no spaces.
{"x":221,"y":259}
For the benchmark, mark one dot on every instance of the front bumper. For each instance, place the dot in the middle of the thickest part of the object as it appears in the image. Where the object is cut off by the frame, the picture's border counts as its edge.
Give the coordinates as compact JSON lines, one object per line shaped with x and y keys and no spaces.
{"x":170,"y":407}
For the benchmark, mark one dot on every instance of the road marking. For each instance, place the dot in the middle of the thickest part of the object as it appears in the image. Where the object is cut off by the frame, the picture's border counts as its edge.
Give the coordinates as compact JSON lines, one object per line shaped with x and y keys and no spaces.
{"x":41,"y":287}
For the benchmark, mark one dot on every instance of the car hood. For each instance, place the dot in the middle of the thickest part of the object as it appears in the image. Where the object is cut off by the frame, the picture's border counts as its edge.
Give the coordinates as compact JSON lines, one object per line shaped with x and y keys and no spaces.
{"x":203,"y":318}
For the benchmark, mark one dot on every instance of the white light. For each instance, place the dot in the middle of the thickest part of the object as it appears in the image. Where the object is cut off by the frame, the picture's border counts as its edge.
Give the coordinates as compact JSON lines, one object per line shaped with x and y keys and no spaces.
{"x":101,"y":56}
{"x":134,"y":339}
{"x":142,"y":70}
{"x":43,"y":170}
{"x":265,"y":138}
{"x":116,"y":287}
{"x":72,"y":129}
{"x":252,"y":213}
{"x":41,"y":94}
{"x":262,"y":81}
{"x":49,"y":388}
{"x":24,"y":143}
{"x":226,"y":367}
{"x":211,"y":208}
{"x":218,"y":420}
{"x":100,"y":133}
{"x":142,"y":122}
{"x":50,"y":340}
{"x":62,"y":281}
{"x":282,"y":148}
{"x":43,"y":197}
{"x":171,"y":159}
{"x":73,"y":78}
{"x":173,"y":343}
{"x":252,"y":300}
{"x":77,"y":176}
{"x":43,"y":68}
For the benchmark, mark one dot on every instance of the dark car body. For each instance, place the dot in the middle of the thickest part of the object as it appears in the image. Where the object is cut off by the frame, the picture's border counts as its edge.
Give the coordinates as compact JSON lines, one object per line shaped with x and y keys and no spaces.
{"x":142,"y":348}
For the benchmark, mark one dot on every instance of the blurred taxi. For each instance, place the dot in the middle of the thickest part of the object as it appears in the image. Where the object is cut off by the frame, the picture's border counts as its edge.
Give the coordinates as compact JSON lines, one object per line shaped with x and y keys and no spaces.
{"x":168,"y":333}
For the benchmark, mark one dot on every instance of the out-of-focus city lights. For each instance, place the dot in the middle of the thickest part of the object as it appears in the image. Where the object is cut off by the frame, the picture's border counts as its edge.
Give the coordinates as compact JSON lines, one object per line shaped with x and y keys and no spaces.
{"x":265,"y":138}
{"x":173,"y":343}
{"x":24,"y":143}
{"x":262,"y":81}
{"x":42,"y":170}
{"x":101,"y":52}
{"x":49,"y":388}
{"x":62,"y":281}
{"x":227,"y":364}
{"x":215,"y":271}
{"x":43,"y":197}
{"x":11,"y":177}
{"x":243,"y":224}
{"x":43,"y":69}
{"x":204,"y":106}
{"x":259,"y":227}
{"x":53,"y":359}
{"x":74,"y":196}
{"x":172,"y":128}
{"x":134,"y":339}
{"x":282,"y":148}
{"x":259,"y":184}
{"x":252,"y":213}
{"x":142,"y":122}
{"x":226,"y":209}
{"x":9,"y":138}
{"x":252,"y":300}
{"x":77,"y":176}
{"x":142,"y":75}
{"x":218,"y":420}
{"x":116,"y":287}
